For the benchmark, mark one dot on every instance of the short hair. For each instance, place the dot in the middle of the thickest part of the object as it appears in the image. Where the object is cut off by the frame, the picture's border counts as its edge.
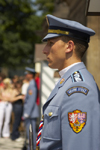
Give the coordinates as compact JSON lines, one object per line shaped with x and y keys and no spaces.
{"x":2,"y":76}
{"x":80,"y":46}
{"x":18,"y":82}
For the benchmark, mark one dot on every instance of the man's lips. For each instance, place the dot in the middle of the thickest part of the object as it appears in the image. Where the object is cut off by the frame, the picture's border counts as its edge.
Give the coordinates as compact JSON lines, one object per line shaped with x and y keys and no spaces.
{"x":48,"y":58}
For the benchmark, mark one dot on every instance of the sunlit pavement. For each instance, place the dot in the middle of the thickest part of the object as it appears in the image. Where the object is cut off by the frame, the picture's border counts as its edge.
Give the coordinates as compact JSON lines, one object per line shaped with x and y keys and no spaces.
{"x":8,"y":144}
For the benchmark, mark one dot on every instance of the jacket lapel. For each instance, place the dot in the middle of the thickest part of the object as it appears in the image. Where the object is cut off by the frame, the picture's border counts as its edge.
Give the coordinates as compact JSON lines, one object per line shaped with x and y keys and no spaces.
{"x":53,"y":93}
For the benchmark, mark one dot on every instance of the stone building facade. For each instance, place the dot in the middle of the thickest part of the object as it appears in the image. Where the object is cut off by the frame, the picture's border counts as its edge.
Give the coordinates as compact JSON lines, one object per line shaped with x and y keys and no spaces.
{"x":93,"y":53}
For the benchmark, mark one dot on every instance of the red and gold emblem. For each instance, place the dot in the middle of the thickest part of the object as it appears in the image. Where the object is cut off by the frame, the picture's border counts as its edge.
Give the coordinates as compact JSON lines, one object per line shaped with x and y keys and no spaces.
{"x":30,"y":92}
{"x":77,"y":120}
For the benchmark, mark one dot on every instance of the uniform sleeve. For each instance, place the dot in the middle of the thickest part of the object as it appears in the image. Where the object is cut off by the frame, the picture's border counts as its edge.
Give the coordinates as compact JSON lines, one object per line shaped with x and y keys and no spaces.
{"x":30,"y":100}
{"x":80,"y":123}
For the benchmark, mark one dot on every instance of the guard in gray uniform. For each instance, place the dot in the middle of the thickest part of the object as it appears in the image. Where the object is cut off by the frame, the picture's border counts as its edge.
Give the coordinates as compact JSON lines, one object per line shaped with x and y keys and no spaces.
{"x":72,"y":111}
{"x":30,"y":107}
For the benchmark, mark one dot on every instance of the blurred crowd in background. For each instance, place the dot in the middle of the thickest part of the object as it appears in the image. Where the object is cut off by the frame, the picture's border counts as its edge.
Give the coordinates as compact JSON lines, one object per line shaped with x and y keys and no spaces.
{"x":12,"y":96}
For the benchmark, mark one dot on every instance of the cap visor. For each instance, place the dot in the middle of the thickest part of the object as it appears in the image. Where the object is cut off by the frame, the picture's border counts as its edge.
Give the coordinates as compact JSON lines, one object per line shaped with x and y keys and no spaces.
{"x":50,"y":36}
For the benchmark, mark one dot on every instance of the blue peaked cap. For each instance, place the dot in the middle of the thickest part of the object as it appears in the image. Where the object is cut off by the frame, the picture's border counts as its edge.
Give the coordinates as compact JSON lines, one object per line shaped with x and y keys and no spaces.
{"x":29,"y":70}
{"x":59,"y":27}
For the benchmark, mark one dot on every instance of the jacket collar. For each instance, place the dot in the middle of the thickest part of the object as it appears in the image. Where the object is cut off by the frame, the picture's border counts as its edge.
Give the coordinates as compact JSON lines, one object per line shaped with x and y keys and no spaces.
{"x":69,"y":73}
{"x":65,"y":78}
{"x":31,"y":82}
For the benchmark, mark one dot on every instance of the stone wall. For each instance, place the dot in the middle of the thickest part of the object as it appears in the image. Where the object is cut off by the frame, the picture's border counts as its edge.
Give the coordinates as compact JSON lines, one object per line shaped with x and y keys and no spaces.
{"x":93,"y":53}
{"x":71,"y":9}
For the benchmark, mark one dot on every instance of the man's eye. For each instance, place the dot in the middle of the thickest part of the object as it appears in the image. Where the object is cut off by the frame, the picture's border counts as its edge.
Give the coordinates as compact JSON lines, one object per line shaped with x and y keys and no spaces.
{"x":51,"y":43}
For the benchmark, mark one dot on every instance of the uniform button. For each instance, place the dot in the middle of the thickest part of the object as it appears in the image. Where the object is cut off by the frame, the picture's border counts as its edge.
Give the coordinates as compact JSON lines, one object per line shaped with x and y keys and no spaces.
{"x":50,"y":114}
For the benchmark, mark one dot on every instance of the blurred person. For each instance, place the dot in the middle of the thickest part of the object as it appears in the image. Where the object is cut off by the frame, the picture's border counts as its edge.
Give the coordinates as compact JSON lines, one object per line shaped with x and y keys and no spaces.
{"x":5,"y":108}
{"x":37,"y":80}
{"x":17,"y":100}
{"x":25,"y":86}
{"x":31,"y":112}
{"x":15,"y":79}
{"x":2,"y":76}
{"x":21,"y":78}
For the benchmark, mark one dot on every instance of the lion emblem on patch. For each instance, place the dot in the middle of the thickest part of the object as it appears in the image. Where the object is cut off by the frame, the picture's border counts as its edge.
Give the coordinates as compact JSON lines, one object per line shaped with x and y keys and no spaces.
{"x":77,"y":120}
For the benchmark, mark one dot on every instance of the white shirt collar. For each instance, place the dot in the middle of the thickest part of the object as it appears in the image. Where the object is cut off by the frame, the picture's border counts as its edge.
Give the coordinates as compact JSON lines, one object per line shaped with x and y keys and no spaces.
{"x":62,"y":72}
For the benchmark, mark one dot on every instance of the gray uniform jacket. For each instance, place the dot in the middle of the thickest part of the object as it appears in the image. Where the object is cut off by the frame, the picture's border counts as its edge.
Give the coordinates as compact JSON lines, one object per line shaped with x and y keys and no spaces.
{"x":30,"y":106}
{"x":72,"y":113}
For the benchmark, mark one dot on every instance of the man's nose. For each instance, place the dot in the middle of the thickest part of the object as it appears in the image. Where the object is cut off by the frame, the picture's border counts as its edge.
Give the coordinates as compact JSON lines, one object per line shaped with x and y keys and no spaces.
{"x":46,"y":50}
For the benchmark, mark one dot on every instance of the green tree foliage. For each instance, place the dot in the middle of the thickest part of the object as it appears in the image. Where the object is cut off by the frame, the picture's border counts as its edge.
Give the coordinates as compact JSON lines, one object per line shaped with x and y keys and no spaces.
{"x":18,"y":25}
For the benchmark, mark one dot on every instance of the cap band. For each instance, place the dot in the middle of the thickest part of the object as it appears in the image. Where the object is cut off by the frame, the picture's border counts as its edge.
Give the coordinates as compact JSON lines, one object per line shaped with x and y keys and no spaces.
{"x":57,"y":31}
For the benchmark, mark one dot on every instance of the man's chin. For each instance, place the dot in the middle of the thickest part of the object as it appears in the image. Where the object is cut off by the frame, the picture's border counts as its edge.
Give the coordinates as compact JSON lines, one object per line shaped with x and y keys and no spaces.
{"x":52,"y":66}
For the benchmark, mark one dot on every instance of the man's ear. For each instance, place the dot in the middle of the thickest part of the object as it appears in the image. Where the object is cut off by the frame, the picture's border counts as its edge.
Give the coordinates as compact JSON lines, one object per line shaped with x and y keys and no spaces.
{"x":69,"y":46}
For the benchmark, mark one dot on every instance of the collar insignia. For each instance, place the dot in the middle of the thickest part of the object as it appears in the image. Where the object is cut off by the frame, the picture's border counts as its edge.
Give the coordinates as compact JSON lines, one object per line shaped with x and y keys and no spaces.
{"x":62,"y":80}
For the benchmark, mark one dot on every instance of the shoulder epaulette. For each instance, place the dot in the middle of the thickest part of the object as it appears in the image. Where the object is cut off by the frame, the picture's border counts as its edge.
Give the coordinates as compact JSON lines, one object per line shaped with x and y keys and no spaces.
{"x":77,"y":76}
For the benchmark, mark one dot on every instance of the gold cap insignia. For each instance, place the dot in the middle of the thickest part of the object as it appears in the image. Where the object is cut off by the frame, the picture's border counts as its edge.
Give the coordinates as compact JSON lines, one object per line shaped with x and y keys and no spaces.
{"x":58,"y":31}
{"x":47,"y":20}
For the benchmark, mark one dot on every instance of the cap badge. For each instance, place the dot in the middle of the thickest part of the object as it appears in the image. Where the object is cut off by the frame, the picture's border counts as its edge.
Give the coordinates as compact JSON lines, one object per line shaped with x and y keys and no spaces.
{"x":77,"y":120}
{"x":47,"y":20}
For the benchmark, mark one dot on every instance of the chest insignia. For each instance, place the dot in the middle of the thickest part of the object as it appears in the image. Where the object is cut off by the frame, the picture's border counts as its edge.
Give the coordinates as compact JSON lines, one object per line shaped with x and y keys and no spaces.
{"x":77,"y":89}
{"x":77,"y":77}
{"x":77,"y":120}
{"x":30,"y":92}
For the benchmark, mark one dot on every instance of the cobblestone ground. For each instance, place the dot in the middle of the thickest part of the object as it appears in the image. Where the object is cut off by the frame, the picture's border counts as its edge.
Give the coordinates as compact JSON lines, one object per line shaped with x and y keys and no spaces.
{"x":8,"y":144}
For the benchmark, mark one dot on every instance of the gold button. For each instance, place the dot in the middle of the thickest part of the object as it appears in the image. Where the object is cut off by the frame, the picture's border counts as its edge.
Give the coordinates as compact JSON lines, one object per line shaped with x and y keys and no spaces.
{"x":50,"y":114}
{"x":42,"y":116}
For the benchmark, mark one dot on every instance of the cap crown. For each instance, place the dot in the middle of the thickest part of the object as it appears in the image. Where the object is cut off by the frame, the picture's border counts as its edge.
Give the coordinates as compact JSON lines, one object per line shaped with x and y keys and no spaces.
{"x":58,"y":27}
